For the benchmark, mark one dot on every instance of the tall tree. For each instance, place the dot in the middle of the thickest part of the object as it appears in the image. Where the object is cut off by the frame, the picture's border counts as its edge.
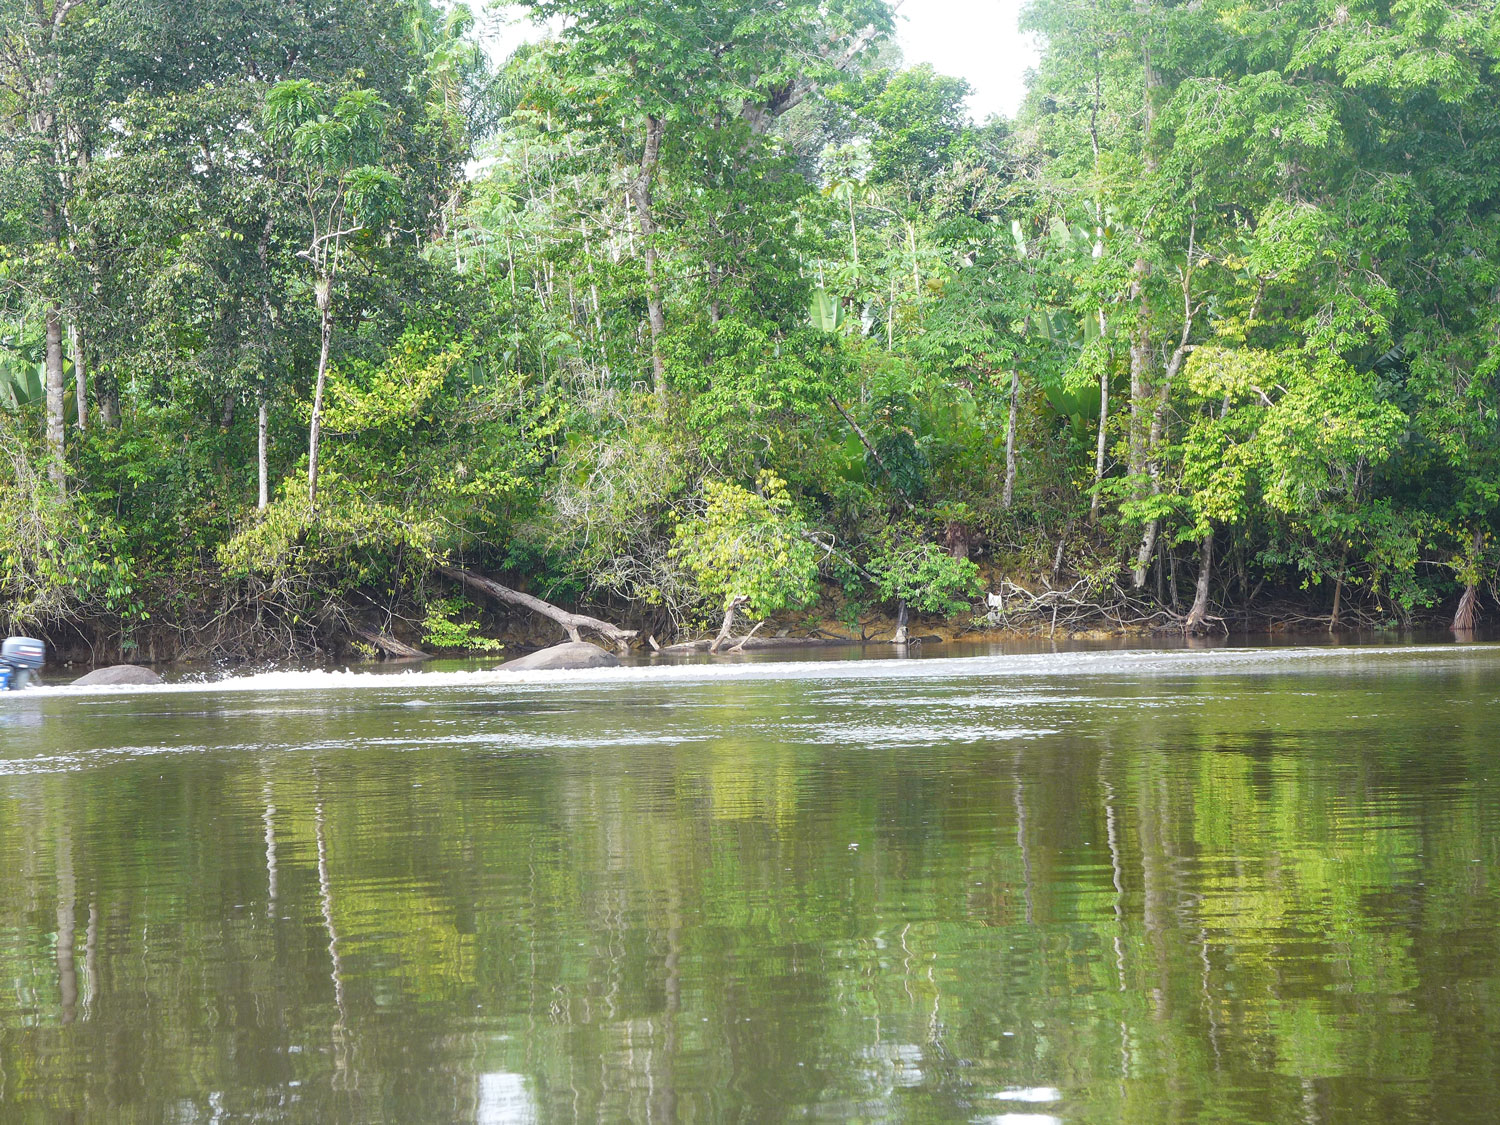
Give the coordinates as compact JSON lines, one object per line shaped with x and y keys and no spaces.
{"x":44,"y":143}
{"x":330,"y":147}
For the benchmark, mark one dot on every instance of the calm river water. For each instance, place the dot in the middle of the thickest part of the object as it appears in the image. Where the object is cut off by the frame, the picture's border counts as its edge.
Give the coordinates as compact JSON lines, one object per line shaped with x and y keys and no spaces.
{"x":1232,"y":886}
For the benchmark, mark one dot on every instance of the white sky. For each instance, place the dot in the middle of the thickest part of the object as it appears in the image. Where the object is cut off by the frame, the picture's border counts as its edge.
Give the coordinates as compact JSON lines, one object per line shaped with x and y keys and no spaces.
{"x":977,"y":40}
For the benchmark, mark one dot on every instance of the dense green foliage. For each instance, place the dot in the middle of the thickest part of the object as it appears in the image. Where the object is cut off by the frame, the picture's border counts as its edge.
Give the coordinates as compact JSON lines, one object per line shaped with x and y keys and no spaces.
{"x":1220,"y":301}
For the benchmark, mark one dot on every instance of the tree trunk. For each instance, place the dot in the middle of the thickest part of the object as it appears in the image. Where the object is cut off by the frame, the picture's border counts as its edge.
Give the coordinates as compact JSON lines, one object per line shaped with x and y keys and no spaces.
{"x":1140,"y":340}
{"x":1162,"y":394}
{"x":640,"y":198}
{"x":57,"y":468}
{"x":1140,"y":380}
{"x":1197,"y":618}
{"x":854,"y":239}
{"x":80,"y":377}
{"x":900,"y":637}
{"x":1467,"y":616}
{"x":1143,"y":555}
{"x":109,"y":403}
{"x":1142,"y":448}
{"x":1161,"y":574}
{"x":1010,"y":441}
{"x":315,"y":430}
{"x":743,"y":641}
{"x":1338,"y":594}
{"x":1103,"y":435}
{"x":261,"y":475}
{"x":108,"y":395}
{"x":572,"y":623}
{"x":727,"y":628}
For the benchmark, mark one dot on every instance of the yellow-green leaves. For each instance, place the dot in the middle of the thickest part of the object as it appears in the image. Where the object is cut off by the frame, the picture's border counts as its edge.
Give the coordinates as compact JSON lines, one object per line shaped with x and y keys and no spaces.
{"x":750,"y":544}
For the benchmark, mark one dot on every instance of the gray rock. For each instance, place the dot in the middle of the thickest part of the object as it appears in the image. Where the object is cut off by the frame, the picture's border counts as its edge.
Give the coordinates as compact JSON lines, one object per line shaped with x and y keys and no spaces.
{"x":118,"y":674}
{"x":570,"y":654}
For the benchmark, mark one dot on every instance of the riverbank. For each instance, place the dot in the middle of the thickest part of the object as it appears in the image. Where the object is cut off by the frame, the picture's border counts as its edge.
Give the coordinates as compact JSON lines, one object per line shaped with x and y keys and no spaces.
{"x":940,"y":645}
{"x":1044,"y":613}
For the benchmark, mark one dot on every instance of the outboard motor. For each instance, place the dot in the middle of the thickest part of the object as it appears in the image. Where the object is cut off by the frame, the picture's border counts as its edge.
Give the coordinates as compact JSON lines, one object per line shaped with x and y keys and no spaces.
{"x":19,"y":658}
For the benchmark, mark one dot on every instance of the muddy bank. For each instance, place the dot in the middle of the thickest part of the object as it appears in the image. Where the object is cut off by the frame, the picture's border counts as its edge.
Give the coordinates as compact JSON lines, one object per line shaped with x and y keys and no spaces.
{"x":357,"y":636}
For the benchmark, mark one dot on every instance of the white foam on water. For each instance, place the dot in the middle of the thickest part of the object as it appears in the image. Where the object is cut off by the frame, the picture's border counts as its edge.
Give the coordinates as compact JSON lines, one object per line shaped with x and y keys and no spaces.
{"x":1137,"y":663}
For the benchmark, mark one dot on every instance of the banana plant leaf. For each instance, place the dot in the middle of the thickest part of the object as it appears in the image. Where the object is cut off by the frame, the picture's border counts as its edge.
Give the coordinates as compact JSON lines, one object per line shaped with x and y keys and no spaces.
{"x":1080,"y":405}
{"x":827,"y":311}
{"x":850,"y":461}
{"x":22,"y":373}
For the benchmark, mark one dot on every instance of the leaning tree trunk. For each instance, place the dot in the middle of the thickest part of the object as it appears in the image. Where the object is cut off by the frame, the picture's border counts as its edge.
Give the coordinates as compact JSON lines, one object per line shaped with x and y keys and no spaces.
{"x":57,"y":465}
{"x":572,"y":623}
{"x":1197,"y":618}
{"x":315,"y":430}
{"x":386,"y":644}
{"x":874,"y":453}
{"x":900,"y":638}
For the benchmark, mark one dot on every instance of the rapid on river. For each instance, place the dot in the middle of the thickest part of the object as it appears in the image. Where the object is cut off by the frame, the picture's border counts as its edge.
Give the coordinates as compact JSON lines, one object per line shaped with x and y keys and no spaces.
{"x":1238,"y":886}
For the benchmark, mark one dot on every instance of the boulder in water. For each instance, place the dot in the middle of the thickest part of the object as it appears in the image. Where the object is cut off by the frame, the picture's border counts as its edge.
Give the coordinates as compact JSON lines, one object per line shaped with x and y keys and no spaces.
{"x":118,"y":674}
{"x":568,"y":655}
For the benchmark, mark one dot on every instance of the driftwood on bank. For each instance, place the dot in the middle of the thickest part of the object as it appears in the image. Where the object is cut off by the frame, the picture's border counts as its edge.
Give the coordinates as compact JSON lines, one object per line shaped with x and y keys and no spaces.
{"x":1013,"y":606}
{"x":573,"y":623}
{"x":387,"y":645}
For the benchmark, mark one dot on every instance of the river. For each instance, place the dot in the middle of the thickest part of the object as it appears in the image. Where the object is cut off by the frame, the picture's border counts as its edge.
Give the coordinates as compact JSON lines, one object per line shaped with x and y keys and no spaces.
{"x":1257,"y":885}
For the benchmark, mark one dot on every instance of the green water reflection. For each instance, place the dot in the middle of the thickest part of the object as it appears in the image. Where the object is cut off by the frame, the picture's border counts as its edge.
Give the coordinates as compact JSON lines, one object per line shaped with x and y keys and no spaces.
{"x":1198,"y":889}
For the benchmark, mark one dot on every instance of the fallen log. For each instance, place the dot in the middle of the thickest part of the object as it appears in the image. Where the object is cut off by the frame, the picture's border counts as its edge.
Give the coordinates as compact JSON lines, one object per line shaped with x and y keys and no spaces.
{"x":388,"y":645}
{"x":573,"y":623}
{"x":761,"y":644}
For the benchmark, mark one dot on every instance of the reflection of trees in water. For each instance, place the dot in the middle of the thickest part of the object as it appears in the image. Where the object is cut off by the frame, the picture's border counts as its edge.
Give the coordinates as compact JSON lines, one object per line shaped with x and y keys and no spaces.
{"x":1173,"y":906}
